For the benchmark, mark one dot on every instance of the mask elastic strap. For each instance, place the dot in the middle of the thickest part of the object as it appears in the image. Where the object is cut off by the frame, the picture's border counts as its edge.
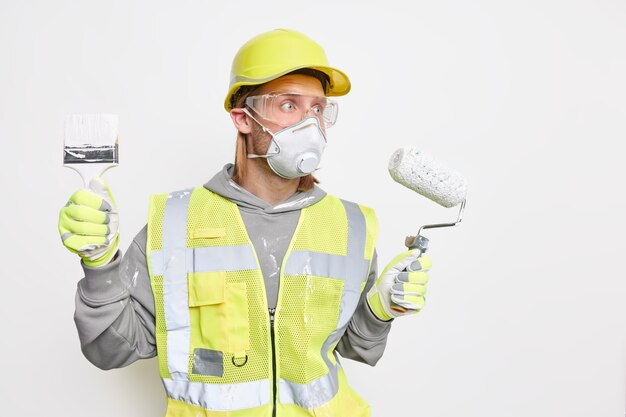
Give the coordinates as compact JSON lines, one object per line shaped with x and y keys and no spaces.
{"x":266,"y":130}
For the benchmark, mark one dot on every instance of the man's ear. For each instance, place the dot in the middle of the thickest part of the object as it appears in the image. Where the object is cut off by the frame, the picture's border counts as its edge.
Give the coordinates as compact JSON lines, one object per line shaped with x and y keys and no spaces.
{"x":241,"y":120}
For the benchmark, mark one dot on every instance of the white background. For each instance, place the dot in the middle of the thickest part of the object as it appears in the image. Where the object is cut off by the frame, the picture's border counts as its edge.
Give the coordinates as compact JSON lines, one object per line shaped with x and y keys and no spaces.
{"x":528,"y":99}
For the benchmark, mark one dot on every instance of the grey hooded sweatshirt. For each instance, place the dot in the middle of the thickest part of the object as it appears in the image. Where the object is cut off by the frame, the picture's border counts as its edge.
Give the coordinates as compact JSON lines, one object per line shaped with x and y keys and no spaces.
{"x":115,"y":314}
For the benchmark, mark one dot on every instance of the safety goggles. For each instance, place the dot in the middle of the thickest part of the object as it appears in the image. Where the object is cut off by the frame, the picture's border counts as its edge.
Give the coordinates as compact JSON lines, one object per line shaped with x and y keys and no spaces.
{"x":286,"y":109}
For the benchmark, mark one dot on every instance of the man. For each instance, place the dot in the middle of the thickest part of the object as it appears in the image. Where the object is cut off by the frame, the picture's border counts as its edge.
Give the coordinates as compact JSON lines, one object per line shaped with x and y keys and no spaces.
{"x":249,"y":287}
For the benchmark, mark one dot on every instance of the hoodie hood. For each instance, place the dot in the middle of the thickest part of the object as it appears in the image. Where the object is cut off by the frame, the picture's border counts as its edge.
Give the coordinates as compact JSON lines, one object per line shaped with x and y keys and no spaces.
{"x":223,"y":185}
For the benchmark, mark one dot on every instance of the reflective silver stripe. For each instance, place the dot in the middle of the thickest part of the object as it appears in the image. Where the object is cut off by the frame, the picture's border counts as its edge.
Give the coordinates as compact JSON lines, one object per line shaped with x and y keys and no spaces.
{"x":356,"y":273}
{"x":313,"y":394}
{"x":156,"y":262}
{"x":353,"y":269}
{"x":220,"y":397}
{"x":357,"y":267}
{"x":175,"y":293}
{"x":211,"y":259}
{"x":224,"y":258}
{"x":316,"y":263}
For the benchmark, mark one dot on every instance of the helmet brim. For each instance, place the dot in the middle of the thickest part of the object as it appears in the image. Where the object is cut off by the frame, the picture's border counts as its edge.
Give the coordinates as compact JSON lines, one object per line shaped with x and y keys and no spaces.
{"x":339,"y":83}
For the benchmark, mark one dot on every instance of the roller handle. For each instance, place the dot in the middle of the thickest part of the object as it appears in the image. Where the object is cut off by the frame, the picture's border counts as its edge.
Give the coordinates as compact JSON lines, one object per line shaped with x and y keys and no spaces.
{"x":417,"y":242}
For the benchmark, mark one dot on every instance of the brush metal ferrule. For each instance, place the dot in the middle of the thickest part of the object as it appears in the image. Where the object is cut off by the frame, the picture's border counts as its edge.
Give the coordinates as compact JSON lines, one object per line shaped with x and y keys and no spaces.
{"x":89,"y":154}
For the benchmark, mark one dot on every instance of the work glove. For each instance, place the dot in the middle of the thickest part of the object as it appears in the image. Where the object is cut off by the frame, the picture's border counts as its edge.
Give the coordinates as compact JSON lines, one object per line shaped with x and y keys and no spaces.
{"x":401,"y":287}
{"x":89,"y":224}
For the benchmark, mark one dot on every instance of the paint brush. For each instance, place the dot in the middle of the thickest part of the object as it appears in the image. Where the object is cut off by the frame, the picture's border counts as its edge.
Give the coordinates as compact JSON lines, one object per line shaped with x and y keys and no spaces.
{"x":91,"y":144}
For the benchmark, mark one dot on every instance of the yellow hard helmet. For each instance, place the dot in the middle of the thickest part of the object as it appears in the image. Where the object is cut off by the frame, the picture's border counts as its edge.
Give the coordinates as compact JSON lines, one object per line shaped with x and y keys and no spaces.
{"x":273,"y":54}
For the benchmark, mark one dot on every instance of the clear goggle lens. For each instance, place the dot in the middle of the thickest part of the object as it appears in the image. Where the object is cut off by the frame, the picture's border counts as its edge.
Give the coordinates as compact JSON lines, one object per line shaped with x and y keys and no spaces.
{"x":286,"y":109}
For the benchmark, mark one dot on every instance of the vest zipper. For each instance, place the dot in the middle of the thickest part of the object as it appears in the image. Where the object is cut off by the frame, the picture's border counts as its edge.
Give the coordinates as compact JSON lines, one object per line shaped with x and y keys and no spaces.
{"x":272,"y":311}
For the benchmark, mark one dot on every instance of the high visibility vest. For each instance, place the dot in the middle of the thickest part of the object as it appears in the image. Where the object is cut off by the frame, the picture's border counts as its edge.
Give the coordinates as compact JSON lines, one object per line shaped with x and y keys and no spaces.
{"x":221,"y":351}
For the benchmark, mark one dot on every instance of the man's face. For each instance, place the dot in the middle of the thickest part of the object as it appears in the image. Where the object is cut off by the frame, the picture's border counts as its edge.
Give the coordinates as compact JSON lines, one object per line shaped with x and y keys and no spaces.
{"x":292,"y":83}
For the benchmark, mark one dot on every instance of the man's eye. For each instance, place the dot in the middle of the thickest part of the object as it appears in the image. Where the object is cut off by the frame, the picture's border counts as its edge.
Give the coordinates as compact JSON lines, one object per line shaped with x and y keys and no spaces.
{"x":287,"y":106}
{"x":317,"y":109}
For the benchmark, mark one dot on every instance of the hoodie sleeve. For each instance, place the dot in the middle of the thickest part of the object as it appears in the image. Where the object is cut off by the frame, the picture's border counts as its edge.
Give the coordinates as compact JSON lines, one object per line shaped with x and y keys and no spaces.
{"x":114,"y":312}
{"x":366,"y":336}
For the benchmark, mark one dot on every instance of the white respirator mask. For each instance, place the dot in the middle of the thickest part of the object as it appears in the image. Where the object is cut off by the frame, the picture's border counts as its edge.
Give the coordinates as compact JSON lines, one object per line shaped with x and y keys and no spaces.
{"x":296,"y":150}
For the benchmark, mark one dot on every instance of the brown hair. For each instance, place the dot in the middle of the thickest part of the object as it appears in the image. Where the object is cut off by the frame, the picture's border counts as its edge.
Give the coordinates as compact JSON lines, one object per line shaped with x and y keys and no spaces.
{"x":241,"y":152}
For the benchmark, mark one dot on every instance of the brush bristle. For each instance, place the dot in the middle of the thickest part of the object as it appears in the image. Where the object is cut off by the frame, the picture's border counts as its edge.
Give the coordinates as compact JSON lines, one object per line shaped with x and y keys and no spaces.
{"x":90,"y":129}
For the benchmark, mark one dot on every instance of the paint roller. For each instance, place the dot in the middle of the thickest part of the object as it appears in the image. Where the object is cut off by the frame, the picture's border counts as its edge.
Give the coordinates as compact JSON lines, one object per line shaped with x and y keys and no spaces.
{"x":423,"y":174}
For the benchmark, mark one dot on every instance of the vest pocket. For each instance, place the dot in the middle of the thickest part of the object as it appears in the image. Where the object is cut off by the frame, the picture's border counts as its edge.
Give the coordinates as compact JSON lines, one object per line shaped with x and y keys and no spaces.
{"x":322,"y":299}
{"x":220,"y":328}
{"x":238,"y":320}
{"x":206,"y":288}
